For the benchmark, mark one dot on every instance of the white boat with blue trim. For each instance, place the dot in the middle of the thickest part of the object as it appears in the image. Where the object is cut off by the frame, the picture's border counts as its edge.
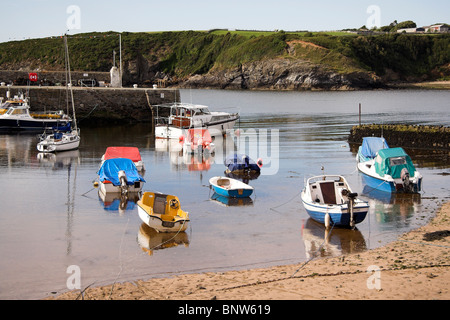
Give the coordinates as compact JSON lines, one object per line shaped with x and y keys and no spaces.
{"x":328,"y":199}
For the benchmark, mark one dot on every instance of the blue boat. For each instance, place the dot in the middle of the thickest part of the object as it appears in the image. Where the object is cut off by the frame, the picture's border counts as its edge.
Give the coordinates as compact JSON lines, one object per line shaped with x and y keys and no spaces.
{"x":119,"y":175}
{"x":391,"y":170}
{"x":328,"y":199}
{"x":241,"y":163}
{"x":230,"y":187}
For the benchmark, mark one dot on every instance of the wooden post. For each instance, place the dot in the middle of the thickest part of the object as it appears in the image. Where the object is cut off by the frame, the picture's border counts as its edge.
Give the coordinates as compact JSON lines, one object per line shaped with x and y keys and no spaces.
{"x":360,"y":114}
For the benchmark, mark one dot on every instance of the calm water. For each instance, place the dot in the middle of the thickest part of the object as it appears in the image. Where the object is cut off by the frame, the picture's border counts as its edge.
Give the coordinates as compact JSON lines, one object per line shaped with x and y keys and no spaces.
{"x":51,"y":216}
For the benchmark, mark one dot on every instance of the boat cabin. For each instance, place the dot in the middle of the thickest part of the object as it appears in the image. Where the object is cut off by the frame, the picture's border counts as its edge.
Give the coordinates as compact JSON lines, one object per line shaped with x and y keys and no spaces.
{"x":331,"y":192}
{"x":182,"y":115}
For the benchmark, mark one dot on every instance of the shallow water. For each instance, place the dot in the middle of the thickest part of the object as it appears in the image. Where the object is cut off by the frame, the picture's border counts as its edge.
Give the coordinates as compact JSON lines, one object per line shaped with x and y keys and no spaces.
{"x":51,"y":216}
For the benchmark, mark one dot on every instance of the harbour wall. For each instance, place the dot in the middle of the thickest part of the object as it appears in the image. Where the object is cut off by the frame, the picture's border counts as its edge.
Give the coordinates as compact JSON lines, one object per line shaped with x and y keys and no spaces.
{"x":407,"y":136}
{"x":98,"y":105}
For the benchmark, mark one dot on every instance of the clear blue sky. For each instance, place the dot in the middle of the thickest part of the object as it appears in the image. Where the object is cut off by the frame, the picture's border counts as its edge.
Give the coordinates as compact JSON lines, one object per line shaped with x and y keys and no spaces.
{"x":23,"y":19}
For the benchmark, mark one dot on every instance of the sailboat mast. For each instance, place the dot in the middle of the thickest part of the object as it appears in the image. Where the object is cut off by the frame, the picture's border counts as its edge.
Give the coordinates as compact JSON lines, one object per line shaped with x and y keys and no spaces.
{"x":70,"y":81}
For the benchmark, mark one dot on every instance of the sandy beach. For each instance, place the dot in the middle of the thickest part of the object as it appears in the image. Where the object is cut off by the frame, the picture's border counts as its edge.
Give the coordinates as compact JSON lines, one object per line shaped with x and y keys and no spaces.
{"x":416,"y":266}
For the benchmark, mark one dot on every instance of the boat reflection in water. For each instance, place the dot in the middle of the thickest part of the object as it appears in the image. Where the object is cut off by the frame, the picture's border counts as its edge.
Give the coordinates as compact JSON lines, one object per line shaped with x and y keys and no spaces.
{"x":319,"y":243}
{"x":118,"y":202}
{"x":393,"y":207}
{"x":149,"y":239}
{"x":230,"y":201}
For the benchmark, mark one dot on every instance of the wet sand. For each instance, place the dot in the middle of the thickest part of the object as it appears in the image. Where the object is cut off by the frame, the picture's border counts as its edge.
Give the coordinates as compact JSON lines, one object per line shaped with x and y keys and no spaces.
{"x":416,"y":266}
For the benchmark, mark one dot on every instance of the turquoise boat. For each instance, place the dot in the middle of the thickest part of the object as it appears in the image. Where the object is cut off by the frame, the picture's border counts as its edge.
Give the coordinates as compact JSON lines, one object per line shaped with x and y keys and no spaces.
{"x":230,"y":187}
{"x":392,"y":170}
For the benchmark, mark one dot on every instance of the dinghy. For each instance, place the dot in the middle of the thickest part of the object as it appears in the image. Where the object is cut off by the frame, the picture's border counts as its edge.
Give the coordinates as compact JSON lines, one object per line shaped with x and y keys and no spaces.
{"x":230,"y":187}
{"x":328,"y":199}
{"x":162,"y":212}
{"x":131,"y":153}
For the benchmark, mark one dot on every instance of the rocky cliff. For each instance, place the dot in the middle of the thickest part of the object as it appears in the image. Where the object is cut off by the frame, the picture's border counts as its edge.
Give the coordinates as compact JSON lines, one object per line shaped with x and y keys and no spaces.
{"x":282,"y":74}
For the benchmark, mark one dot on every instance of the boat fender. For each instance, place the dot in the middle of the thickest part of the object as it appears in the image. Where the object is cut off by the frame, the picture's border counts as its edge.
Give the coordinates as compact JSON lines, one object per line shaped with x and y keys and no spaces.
{"x":95,"y":184}
{"x":181,"y":139}
{"x":327,"y":220}
{"x":174,"y":204}
{"x":259,"y":162}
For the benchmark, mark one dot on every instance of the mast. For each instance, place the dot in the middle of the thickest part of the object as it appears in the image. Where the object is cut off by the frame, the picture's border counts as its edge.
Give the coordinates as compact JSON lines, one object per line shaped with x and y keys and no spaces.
{"x":69,"y":84}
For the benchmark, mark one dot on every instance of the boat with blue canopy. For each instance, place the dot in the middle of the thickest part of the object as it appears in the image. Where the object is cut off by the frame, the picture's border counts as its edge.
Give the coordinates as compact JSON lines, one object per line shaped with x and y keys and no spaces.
{"x":392,"y":170}
{"x":120,"y":175}
{"x":241,"y":163}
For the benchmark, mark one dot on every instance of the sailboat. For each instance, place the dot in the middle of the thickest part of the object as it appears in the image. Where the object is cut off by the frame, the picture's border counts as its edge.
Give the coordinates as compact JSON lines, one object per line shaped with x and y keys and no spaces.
{"x":62,"y":138}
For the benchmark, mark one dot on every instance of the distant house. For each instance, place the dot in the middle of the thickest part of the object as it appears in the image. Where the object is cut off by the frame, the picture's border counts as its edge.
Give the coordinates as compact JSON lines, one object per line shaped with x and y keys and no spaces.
{"x":407,"y":30}
{"x":436,"y":28}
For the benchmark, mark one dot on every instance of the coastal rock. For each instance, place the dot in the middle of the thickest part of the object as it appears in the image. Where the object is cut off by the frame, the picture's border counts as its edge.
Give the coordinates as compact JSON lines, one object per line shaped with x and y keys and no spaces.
{"x":281,"y":74}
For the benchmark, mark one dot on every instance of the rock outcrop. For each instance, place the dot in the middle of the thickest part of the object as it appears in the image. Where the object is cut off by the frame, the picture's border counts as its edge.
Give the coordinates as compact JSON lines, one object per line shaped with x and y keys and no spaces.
{"x":281,"y":74}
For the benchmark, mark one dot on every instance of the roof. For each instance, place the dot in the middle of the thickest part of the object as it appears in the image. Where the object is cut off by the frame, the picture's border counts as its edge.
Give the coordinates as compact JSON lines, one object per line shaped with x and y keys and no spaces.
{"x":182,"y":105}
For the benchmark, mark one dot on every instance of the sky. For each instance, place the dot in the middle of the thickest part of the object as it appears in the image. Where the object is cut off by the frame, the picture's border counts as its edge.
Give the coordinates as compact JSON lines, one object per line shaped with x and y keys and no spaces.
{"x":24,"y":19}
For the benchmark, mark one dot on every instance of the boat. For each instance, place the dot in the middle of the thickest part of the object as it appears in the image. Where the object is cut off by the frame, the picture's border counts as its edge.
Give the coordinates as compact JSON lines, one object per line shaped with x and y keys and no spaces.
{"x":63,"y":138}
{"x":162,"y":212}
{"x":391,"y":170}
{"x":230,"y":187}
{"x":119,"y":175}
{"x":198,"y":141}
{"x":242,"y":166}
{"x":369,"y":148}
{"x":172,"y":120}
{"x":17,"y":117}
{"x":131,"y":153}
{"x":328,"y":199}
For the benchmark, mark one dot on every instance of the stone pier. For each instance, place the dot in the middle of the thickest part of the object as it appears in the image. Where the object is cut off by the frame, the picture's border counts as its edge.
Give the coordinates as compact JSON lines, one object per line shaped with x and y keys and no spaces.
{"x":98,"y":105}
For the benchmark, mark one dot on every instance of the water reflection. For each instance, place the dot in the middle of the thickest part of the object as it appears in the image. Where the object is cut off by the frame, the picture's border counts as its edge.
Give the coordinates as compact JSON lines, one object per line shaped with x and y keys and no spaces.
{"x":231,"y":202}
{"x":393,"y":208}
{"x":319,"y":243}
{"x":150,"y":240}
{"x":119,"y":202}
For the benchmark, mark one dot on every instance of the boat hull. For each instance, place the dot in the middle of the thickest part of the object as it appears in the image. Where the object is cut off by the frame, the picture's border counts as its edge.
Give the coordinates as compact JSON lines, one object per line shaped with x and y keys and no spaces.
{"x":156,"y":222}
{"x":29,"y":125}
{"x":45,"y":146}
{"x":108,"y":187}
{"x":174,"y":132}
{"x":339,"y":215}
{"x":233,"y":193}
{"x":377,"y":182}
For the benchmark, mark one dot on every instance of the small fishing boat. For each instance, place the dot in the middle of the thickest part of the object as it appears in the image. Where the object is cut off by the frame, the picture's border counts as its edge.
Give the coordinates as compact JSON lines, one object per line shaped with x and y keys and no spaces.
{"x":131,"y":153}
{"x":328,"y":199}
{"x":391,"y":170}
{"x":162,"y":212}
{"x":172,"y":120}
{"x":198,"y":141}
{"x":120,"y":175}
{"x":238,"y":164}
{"x":230,"y":187}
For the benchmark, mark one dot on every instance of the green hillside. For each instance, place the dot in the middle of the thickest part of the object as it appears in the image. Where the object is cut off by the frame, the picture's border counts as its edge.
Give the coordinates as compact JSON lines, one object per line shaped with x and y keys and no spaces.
{"x":187,"y":53}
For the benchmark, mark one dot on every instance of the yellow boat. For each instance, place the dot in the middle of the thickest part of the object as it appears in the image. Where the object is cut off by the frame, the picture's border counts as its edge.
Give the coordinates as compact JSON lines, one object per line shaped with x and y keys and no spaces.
{"x":162,"y":212}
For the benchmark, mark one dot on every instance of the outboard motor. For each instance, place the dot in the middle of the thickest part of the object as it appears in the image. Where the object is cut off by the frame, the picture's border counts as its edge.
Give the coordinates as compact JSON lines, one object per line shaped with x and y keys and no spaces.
{"x":404,"y":175}
{"x":123,"y":181}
